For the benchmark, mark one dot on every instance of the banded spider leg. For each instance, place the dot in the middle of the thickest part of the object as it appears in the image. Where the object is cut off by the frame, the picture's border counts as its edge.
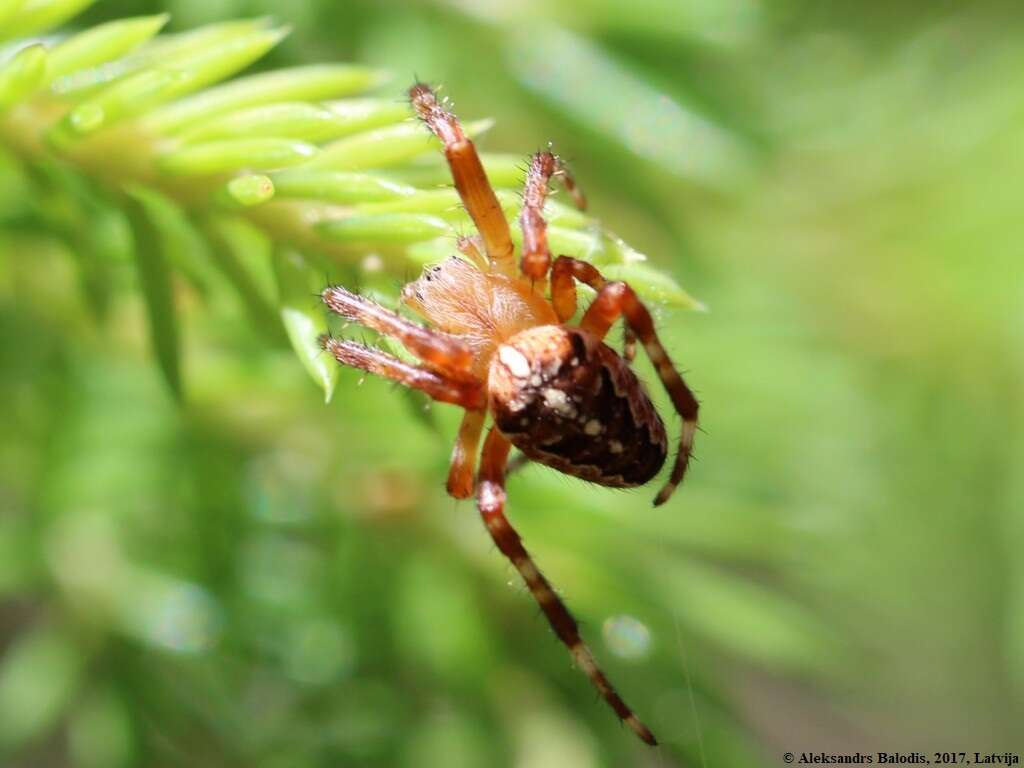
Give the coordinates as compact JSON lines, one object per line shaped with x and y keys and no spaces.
{"x":491,"y":498}
{"x":536,"y":256}
{"x":446,"y":376}
{"x":616,"y":299}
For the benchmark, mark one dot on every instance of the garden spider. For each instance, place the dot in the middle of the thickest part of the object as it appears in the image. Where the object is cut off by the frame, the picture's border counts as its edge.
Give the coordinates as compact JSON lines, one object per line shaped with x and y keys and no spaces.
{"x":555,"y":391}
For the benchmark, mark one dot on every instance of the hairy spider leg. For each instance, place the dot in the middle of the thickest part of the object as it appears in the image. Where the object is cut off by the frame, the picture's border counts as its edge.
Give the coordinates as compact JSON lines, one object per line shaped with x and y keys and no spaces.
{"x":470,"y":248}
{"x":628,"y":343}
{"x":470,"y":179}
{"x":564,"y":274}
{"x":434,"y":347}
{"x":463,"y":463}
{"x":468,"y":393}
{"x":536,"y":256}
{"x":569,"y":182}
{"x":615,"y":299}
{"x":491,"y":502}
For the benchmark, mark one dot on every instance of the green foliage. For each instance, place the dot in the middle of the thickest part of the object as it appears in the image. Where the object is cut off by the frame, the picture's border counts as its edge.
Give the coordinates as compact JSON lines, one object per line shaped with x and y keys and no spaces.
{"x":249,"y":577}
{"x":149,"y":118}
{"x":155,"y":281}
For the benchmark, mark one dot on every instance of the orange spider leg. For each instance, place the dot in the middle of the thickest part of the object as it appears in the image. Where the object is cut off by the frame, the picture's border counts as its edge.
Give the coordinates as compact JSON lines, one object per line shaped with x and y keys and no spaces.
{"x":615,"y":299}
{"x":628,"y":343}
{"x":569,"y":182}
{"x":470,"y":178}
{"x":491,"y":502}
{"x":536,"y":257}
{"x":434,"y":347}
{"x":463,"y":463}
{"x":463,"y":392}
{"x":470,"y":248}
{"x":564,"y":273}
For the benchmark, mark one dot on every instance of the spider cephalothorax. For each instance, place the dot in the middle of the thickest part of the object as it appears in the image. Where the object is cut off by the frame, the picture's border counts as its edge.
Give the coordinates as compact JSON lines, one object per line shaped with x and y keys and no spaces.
{"x":500,"y":342}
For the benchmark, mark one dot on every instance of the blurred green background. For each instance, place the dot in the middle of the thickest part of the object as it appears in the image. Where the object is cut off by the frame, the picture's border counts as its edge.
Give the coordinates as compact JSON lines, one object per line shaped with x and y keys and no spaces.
{"x":257,"y":579}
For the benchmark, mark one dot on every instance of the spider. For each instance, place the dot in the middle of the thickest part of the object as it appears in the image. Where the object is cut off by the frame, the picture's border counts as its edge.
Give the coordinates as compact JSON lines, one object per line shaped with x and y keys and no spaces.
{"x":500,"y":341}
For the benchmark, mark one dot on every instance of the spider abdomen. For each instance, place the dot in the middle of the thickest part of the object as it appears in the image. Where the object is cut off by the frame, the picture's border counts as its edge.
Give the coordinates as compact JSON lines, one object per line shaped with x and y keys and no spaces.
{"x":569,"y":401}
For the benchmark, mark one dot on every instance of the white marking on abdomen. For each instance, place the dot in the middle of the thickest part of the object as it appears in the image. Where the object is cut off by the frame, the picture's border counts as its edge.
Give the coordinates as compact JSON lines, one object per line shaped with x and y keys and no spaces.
{"x":514,"y":361}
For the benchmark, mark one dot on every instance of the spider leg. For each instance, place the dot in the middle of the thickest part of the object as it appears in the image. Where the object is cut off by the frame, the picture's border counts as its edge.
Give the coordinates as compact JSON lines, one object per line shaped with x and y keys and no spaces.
{"x":569,"y":182}
{"x":516,"y":463}
{"x":564,"y":273}
{"x":491,"y":502}
{"x":628,"y":343}
{"x":536,"y":256}
{"x":434,"y":347}
{"x":617,"y":299}
{"x":466,"y":392}
{"x":469,"y":247}
{"x":463,"y":463}
{"x":470,"y":178}
{"x":614,"y":300}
